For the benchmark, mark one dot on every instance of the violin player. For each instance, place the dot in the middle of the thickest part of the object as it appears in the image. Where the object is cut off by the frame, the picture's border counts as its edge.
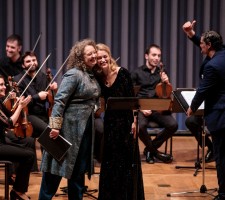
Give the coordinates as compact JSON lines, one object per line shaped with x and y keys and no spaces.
{"x":11,"y":65}
{"x":12,"y":152}
{"x":148,"y":76}
{"x":37,"y":111}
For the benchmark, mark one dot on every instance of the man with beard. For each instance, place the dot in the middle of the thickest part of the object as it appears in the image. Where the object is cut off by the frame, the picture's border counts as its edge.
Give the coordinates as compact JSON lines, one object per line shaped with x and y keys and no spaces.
{"x":38,"y":115}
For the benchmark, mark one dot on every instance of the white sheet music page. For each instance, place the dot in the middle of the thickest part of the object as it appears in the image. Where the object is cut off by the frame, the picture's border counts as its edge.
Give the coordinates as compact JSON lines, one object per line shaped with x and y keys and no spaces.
{"x":188,"y":96}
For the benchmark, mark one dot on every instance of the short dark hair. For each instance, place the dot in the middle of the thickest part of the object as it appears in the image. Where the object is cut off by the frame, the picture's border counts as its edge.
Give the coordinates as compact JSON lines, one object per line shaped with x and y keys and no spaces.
{"x":27,"y":53}
{"x":15,"y":37}
{"x":147,"y":50}
{"x":214,"y":38}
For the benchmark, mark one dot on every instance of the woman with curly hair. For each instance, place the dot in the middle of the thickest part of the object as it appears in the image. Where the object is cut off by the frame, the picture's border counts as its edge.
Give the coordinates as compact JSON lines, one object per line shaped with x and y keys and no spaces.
{"x":72,"y":117}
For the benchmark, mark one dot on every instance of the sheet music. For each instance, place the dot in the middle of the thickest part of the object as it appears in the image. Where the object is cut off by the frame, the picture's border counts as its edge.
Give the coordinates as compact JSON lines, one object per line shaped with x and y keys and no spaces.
{"x":188,"y":96}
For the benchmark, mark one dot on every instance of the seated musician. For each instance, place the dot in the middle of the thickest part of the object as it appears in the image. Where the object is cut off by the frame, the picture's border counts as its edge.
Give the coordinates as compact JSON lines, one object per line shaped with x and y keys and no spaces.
{"x":38,"y":113}
{"x":147,"y":77}
{"x":12,"y":152}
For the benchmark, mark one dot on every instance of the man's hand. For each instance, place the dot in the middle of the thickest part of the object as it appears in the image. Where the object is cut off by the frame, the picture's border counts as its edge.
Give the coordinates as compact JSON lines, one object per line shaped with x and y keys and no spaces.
{"x":189,"y":112}
{"x":188,"y":28}
{"x":146,"y":112}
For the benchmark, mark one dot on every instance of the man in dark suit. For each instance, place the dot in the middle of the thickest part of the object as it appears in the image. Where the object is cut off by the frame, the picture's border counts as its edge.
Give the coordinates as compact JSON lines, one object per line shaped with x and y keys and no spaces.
{"x":212,"y":91}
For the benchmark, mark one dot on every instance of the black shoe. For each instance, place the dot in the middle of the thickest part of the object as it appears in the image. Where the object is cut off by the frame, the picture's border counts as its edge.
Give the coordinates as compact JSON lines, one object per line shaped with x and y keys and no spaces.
{"x":149,"y":158}
{"x":209,"y":157}
{"x":15,"y":196}
{"x":219,"y":197}
{"x":166,"y":158}
{"x":145,"y":151}
{"x":11,"y":180}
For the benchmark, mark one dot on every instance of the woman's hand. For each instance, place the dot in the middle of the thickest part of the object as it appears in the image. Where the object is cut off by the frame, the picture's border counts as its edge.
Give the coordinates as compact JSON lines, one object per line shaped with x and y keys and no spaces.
{"x":133,"y":129}
{"x":54,"y":133}
{"x":146,"y":112}
{"x":23,"y":102}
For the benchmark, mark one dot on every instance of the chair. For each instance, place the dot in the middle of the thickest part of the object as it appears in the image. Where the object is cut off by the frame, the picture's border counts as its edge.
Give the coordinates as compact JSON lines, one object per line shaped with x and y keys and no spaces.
{"x":153,"y":129}
{"x":6,"y":164}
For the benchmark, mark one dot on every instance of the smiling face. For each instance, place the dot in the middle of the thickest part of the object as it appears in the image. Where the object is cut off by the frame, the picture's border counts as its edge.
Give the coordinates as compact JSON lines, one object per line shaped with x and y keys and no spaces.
{"x":153,"y":58}
{"x":2,"y":87}
{"x":103,"y":59}
{"x":30,"y":61}
{"x":13,"y":49}
{"x":90,"y":56}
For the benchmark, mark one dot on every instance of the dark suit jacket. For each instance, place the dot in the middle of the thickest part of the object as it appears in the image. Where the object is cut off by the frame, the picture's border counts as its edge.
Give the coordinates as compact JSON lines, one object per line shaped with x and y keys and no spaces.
{"x":212,"y":91}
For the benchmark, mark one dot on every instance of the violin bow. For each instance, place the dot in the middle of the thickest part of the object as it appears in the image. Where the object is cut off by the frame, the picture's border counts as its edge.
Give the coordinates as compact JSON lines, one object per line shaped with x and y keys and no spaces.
{"x":31,"y":80}
{"x":36,"y":43}
{"x":57,"y":73}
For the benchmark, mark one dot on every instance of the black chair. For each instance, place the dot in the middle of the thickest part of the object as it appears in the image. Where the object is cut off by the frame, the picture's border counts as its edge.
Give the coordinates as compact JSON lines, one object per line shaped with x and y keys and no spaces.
{"x":153,"y":129}
{"x":6,"y":164}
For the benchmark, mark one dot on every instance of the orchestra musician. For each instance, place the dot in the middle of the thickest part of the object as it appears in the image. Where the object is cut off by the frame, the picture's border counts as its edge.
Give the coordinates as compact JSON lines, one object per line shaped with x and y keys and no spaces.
{"x":37,"y":110}
{"x":147,"y":77}
{"x":11,"y":64}
{"x":13,"y":152}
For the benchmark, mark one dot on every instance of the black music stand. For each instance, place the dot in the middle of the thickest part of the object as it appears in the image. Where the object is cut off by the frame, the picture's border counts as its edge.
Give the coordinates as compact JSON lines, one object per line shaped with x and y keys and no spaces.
{"x":203,"y":189}
{"x":180,"y":106}
{"x":136,"y":104}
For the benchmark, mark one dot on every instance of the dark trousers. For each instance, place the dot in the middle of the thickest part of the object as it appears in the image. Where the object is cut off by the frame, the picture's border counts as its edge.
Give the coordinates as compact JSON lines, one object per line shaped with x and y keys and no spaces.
{"x":27,"y":142}
{"x":218,"y":139}
{"x":76,"y":188}
{"x":24,"y":157}
{"x":39,"y":124}
{"x":166,"y":121}
{"x":194,"y":124}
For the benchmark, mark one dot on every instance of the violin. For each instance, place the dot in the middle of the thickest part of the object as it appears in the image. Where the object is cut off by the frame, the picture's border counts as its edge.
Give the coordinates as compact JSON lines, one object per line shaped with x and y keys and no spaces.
{"x":22,"y":128}
{"x":163,"y":90}
{"x":51,"y":93}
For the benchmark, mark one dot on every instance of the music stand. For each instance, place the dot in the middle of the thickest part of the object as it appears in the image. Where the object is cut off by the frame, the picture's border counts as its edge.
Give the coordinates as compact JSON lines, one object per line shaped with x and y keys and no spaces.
{"x":136,"y":104}
{"x":203,"y":189}
{"x":180,"y":106}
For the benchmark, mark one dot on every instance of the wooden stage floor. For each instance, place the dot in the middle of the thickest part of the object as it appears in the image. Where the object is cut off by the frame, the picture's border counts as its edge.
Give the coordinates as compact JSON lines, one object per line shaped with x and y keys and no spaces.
{"x":159,"y":179}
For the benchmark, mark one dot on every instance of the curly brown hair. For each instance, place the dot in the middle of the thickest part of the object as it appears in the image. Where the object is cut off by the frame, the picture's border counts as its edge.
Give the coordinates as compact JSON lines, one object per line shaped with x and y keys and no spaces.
{"x":76,"y":57}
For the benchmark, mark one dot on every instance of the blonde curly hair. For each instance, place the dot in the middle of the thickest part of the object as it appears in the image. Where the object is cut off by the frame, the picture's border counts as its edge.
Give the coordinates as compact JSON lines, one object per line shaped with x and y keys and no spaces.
{"x":76,"y":56}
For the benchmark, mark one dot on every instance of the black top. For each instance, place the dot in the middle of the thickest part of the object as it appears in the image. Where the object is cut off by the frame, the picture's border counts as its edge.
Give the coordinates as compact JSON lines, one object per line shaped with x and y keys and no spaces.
{"x":9,"y":68}
{"x":3,"y":125}
{"x":147,"y":80}
{"x":40,"y":83}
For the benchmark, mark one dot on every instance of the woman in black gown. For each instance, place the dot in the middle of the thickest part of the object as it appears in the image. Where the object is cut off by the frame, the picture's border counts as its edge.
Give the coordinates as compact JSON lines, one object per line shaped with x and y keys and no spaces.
{"x":120,"y":179}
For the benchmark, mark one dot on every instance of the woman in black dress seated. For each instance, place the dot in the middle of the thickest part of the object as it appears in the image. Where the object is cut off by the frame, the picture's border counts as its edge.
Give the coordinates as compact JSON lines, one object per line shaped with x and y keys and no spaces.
{"x":13,"y":152}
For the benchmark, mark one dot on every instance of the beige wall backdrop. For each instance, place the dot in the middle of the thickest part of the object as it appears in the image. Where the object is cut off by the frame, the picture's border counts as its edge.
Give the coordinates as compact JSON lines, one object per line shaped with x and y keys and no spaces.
{"x":127,"y":26}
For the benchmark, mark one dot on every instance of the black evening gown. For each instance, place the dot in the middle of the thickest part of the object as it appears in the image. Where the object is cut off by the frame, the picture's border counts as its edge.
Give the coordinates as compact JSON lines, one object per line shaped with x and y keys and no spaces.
{"x":120,"y":179}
